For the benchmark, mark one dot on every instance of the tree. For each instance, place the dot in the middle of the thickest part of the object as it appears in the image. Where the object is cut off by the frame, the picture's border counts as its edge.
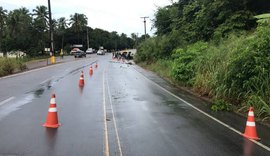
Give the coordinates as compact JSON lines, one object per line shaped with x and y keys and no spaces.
{"x":41,"y":25}
{"x":3,"y":17}
{"x":20,"y":25}
{"x":41,"y":18}
{"x":78,"y":23}
{"x":164,"y":18}
{"x":61,"y":27}
{"x":22,"y":30}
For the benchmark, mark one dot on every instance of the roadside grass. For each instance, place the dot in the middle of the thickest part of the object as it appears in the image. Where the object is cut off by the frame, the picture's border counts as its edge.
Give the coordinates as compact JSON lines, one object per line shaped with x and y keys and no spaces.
{"x":233,"y":74}
{"x":12,"y":65}
{"x":161,"y":67}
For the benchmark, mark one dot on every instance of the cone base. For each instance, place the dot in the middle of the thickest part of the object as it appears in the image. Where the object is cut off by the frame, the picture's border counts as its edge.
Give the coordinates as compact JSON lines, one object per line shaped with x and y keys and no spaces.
{"x":51,"y":126}
{"x":250,"y":137}
{"x":81,"y":85}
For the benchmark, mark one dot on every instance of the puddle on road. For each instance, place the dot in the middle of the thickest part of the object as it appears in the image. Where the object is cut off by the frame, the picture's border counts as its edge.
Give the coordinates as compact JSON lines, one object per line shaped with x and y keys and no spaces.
{"x":176,"y":106}
{"x":138,"y":99}
{"x":14,"y":106}
{"x":39,"y":92}
{"x":172,"y":103}
{"x":28,"y":97}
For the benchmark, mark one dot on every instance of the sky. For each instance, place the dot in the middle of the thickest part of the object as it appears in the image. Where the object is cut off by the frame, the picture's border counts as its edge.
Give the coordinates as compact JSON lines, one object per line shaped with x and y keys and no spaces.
{"x":123,"y":16}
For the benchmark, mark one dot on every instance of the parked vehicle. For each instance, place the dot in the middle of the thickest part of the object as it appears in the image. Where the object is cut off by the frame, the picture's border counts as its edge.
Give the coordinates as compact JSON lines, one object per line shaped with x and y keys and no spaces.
{"x":79,"y":53}
{"x":89,"y":51}
{"x":101,"y":52}
{"x":74,"y":50}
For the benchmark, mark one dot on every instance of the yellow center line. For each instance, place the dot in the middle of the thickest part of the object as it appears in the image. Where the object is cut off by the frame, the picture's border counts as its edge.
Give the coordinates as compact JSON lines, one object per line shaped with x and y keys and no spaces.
{"x":114,"y":121}
{"x":107,"y":153}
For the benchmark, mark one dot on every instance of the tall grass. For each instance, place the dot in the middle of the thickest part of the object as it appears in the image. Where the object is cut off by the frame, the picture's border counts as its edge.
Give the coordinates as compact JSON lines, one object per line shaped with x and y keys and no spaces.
{"x":10,"y":65}
{"x":238,"y":71}
{"x":235,"y":71}
{"x":161,"y":67}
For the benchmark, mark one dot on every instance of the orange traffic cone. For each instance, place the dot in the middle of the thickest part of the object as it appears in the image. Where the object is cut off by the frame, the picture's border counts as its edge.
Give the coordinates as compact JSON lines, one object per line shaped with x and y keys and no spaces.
{"x":52,"y":118}
{"x":91,"y":70}
{"x":250,"y":131}
{"x":96,"y":65}
{"x":81,"y":81}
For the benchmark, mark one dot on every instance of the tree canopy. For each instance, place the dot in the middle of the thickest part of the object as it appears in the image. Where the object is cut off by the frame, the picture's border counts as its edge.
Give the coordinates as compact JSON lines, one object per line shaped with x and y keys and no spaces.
{"x":204,"y":19}
{"x":28,"y":31}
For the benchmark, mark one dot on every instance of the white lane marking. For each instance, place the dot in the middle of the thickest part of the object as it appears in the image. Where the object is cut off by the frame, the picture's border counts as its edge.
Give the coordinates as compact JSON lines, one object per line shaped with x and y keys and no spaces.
{"x":114,"y":121}
{"x":7,"y":100}
{"x":107,"y":152}
{"x":46,"y":80}
{"x":204,"y":113}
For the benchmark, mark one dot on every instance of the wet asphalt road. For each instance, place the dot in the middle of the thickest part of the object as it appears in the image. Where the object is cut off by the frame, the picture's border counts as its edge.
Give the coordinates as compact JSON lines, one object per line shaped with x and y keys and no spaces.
{"x":119,"y":111}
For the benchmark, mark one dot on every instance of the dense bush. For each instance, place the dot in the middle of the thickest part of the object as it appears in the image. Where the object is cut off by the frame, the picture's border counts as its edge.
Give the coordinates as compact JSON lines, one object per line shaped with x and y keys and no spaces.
{"x":221,"y":105}
{"x":9,"y":65}
{"x":236,"y":71}
{"x":250,"y":64}
{"x":156,"y":48}
{"x":217,"y":48}
{"x":183,"y":68}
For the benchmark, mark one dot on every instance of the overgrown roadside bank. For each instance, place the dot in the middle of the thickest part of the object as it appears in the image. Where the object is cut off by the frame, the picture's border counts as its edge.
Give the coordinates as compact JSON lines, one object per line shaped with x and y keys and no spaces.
{"x":233,"y":75}
{"x":217,"y":49}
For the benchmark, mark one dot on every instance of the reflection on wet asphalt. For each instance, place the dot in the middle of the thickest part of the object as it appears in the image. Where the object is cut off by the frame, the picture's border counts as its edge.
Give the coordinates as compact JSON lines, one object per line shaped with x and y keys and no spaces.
{"x":142,"y":119}
{"x":152,"y":122}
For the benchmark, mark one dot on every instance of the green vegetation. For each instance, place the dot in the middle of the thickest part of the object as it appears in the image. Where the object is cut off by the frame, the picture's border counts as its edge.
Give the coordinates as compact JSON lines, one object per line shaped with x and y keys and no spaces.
{"x":221,"y":105}
{"x":9,"y":65}
{"x":28,"y":31}
{"x":219,"y":48}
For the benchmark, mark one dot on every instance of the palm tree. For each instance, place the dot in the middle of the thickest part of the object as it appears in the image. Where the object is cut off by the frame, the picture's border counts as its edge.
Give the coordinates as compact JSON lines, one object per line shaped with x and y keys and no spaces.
{"x":41,"y":17}
{"x":41,"y":23}
{"x":78,"y":23}
{"x":61,"y":27}
{"x":19,"y":24}
{"x":19,"y":21}
{"x":13,"y":22}
{"x":3,"y":17}
{"x":41,"y":12}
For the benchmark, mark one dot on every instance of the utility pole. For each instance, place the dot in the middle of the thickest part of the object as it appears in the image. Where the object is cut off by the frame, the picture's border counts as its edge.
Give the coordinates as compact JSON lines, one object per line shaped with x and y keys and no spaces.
{"x":51,"y":28}
{"x":87,"y":37}
{"x":144,"y":21}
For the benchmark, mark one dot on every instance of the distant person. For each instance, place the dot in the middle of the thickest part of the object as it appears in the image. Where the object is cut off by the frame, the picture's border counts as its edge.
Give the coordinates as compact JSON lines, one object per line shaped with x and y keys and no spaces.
{"x":62,"y":54}
{"x":129,"y":56}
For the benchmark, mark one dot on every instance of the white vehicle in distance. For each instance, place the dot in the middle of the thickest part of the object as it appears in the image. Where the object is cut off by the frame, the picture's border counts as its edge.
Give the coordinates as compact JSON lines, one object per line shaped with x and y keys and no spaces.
{"x":89,"y":51}
{"x":74,"y":50}
{"x":100,"y":52}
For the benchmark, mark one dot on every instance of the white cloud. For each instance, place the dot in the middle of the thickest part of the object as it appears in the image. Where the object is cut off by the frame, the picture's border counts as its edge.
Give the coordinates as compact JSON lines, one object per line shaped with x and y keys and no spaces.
{"x":122,"y":16}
